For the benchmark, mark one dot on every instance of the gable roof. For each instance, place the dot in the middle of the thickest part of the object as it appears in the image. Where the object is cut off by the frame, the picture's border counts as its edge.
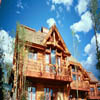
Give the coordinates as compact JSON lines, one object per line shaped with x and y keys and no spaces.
{"x":31,"y":35}
{"x":72,"y":61}
{"x":40,"y":37}
{"x":54,"y":28}
{"x":92,"y":77}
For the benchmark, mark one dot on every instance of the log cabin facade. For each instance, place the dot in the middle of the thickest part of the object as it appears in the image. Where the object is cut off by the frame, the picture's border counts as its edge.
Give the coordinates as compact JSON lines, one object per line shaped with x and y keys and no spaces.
{"x":48,"y":68}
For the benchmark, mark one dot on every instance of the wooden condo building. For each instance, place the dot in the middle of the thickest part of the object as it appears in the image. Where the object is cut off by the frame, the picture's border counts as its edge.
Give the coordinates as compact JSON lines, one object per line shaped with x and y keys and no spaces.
{"x":45,"y":70}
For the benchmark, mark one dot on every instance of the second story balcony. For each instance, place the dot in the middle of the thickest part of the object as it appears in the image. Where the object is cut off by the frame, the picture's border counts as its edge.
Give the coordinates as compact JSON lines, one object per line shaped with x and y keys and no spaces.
{"x":38,"y":70}
{"x":94,"y":95}
{"x":80,"y":85}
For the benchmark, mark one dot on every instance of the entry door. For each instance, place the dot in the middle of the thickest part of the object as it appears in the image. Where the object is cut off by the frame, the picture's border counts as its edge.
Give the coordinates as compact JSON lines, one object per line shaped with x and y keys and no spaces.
{"x":31,"y":93}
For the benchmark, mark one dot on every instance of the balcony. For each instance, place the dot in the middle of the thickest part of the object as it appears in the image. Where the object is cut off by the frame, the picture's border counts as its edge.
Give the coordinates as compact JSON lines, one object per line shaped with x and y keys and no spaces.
{"x":80,"y":85}
{"x":38,"y":70}
{"x":93,"y":95}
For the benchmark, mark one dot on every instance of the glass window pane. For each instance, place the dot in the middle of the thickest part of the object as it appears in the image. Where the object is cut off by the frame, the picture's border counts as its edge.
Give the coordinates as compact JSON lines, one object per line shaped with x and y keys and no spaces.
{"x":47,"y":68}
{"x":47,"y":58}
{"x":92,"y":89}
{"x":30,"y":55}
{"x":74,"y":77}
{"x":29,"y":93}
{"x":58,"y":61}
{"x":33,"y":93}
{"x":34,"y":56}
{"x":53,"y":57}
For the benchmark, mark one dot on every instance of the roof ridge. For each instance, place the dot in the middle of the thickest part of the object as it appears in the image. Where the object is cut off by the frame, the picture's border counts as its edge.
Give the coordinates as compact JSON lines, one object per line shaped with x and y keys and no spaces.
{"x":28,"y":28}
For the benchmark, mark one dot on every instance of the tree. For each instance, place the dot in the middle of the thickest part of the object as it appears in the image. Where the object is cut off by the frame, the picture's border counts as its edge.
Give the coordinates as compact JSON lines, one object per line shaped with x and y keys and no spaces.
{"x":95,"y":15}
{"x":1,"y":74}
{"x":20,"y":52}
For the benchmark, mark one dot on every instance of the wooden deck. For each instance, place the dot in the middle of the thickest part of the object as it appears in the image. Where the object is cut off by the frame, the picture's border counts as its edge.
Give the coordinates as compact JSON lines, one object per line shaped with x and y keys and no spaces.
{"x":93,"y":95}
{"x":82,"y":86}
{"x":38,"y":70}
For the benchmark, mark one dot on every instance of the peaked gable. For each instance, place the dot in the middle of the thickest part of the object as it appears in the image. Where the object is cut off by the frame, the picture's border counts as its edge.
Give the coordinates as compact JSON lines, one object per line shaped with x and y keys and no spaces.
{"x":53,"y":37}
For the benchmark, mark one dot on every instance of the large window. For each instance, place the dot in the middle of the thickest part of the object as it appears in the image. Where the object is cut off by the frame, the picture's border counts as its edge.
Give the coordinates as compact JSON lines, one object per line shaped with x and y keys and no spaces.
{"x":92,"y":89}
{"x":47,"y":57}
{"x":32,"y":55}
{"x":58,"y":61}
{"x":31,"y":93}
{"x":53,"y":57}
{"x":48,"y":94}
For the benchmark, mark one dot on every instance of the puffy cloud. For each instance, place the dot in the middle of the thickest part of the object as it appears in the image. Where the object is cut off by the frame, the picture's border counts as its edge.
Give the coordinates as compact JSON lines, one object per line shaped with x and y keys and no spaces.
{"x":52,"y":7}
{"x":57,"y":14}
{"x":48,"y":3}
{"x":51,"y":21}
{"x":67,"y":3}
{"x":6,"y":43}
{"x":90,"y":51}
{"x":77,"y":37}
{"x":82,"y":6}
{"x":18,"y":12}
{"x":84,"y":25}
{"x":19,"y":4}
{"x":60,"y":9}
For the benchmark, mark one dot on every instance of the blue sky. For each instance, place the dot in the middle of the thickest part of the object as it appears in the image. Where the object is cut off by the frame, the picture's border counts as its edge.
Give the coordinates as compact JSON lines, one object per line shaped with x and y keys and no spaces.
{"x":67,"y":14}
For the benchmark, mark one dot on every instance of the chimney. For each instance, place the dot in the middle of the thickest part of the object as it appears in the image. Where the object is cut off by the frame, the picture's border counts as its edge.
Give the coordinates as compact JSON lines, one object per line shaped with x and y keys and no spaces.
{"x":44,"y":30}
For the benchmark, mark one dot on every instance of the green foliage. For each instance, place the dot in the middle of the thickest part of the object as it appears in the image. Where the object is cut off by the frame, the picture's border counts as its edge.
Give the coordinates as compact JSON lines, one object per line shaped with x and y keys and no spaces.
{"x":98,"y":63}
{"x":95,"y":15}
{"x":23,"y":96}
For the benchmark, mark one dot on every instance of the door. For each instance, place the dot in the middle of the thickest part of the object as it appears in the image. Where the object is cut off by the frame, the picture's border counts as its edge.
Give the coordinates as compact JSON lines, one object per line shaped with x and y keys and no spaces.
{"x":31,"y":93}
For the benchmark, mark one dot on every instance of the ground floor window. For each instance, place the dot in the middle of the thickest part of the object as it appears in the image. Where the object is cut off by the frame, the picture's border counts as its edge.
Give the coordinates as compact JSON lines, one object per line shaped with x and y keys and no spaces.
{"x":53,"y":94}
{"x":31,"y":93}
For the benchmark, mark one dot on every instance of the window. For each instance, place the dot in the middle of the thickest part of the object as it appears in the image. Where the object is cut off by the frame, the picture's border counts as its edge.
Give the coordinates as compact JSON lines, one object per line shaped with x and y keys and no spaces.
{"x":31,"y":93}
{"x":98,"y":88}
{"x":53,"y":57}
{"x":92,"y":89}
{"x":47,"y":68}
{"x":74,"y":77}
{"x":47,"y":58}
{"x":48,"y":94}
{"x":73,"y":69}
{"x":32,"y":55}
{"x":79,"y":78}
{"x":58,"y":61}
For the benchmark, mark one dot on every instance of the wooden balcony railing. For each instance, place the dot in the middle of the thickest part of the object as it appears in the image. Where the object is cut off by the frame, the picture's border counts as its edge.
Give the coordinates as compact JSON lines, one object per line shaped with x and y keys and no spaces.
{"x":37,"y":69}
{"x":93,"y":95}
{"x":80,"y":85}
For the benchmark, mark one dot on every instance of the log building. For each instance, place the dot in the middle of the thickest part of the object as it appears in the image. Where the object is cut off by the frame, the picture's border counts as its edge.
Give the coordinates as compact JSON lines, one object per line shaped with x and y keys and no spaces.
{"x":45,"y":69}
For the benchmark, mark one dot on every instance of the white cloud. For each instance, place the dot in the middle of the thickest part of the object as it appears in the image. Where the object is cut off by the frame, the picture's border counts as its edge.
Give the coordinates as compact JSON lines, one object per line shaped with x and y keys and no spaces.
{"x":77,"y":37}
{"x":57,"y":14}
{"x":18,"y":12}
{"x":90,"y":51}
{"x":67,"y":3}
{"x":19,"y":4}
{"x":6,"y":43}
{"x":84,"y":25}
{"x":48,"y":3}
{"x":52,"y":7}
{"x":82,"y":6}
{"x":60,"y":9}
{"x":51,"y":21}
